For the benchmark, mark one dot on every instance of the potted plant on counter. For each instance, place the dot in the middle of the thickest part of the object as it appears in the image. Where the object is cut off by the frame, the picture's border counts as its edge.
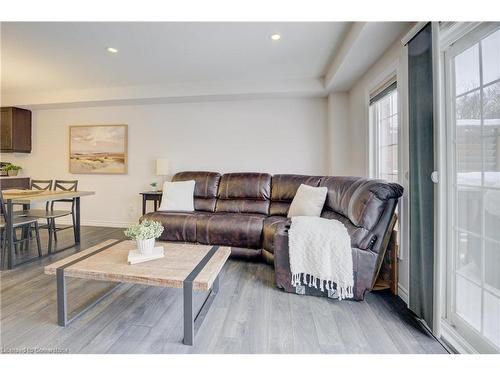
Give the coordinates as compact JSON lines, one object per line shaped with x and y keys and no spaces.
{"x":12,"y":170}
{"x":145,"y":234}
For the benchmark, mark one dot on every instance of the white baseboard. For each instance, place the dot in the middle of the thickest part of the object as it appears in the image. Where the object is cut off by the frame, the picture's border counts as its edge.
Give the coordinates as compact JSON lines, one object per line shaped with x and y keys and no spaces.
{"x":403,"y":293}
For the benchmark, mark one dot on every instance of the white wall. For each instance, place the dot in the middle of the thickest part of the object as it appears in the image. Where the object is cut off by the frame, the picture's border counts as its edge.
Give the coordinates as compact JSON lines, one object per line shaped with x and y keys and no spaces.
{"x":394,"y":59}
{"x":339,"y":135}
{"x":358,"y":101}
{"x":275,"y":136}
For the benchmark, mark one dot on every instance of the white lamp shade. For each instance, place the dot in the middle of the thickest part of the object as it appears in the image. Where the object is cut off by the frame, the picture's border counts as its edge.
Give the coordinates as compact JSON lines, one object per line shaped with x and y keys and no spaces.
{"x":161,"y":167}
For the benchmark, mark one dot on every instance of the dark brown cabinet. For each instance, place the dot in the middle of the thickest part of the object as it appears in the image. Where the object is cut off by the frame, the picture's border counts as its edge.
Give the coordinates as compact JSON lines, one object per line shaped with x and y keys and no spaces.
{"x":15,"y":130}
{"x":14,"y":183}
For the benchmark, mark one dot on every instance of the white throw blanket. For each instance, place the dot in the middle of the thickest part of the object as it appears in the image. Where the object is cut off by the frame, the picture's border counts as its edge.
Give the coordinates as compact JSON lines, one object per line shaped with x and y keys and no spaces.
{"x":320,"y":253}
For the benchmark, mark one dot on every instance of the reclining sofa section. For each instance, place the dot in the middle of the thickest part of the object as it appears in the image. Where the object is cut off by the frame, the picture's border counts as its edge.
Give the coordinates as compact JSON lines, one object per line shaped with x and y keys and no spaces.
{"x":247,"y":211}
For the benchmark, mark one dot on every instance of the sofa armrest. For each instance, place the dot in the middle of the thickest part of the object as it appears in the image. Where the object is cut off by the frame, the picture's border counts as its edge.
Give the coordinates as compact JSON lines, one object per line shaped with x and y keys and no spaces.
{"x":282,"y":258}
{"x":364,"y":262}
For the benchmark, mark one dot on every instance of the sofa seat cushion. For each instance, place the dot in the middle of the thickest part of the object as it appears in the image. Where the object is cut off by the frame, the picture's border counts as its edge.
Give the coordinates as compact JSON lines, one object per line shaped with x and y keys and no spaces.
{"x":179,"y":226}
{"x":271,"y":225}
{"x":230,"y":229}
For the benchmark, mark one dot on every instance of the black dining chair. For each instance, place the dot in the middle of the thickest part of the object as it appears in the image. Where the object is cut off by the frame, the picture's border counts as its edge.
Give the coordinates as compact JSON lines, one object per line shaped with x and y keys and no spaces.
{"x":26,"y":223}
{"x":49,"y":214}
{"x":41,"y":184}
{"x":36,"y":185}
{"x":65,"y":185}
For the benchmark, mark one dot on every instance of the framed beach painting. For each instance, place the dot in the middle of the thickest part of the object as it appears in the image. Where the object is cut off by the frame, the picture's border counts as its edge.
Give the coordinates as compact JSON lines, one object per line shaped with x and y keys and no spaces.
{"x":98,"y":149}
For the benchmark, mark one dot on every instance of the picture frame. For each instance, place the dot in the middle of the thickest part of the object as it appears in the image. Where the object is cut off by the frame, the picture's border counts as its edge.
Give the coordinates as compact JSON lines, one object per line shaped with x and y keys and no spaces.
{"x":98,"y":149}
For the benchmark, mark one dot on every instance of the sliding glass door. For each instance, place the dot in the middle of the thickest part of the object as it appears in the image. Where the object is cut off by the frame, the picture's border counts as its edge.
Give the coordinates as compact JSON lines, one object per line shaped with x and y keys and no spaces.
{"x":473,"y":116}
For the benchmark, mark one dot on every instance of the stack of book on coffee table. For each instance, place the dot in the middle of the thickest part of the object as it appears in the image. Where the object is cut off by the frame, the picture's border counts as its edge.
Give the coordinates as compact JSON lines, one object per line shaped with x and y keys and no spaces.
{"x":134,"y":256}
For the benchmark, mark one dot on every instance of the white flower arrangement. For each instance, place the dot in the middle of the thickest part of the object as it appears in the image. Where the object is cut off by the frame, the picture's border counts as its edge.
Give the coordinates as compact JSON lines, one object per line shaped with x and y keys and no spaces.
{"x":144,"y":231}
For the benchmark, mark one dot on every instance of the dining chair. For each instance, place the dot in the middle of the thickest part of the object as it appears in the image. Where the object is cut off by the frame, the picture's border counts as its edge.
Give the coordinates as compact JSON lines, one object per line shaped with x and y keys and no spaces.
{"x":27,"y":223}
{"x":41,"y":184}
{"x":65,"y":185}
{"x":49,"y":214}
{"x":35,"y":185}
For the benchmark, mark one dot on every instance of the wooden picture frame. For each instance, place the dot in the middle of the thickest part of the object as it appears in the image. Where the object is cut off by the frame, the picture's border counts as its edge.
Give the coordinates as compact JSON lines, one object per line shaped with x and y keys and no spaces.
{"x":98,"y":149}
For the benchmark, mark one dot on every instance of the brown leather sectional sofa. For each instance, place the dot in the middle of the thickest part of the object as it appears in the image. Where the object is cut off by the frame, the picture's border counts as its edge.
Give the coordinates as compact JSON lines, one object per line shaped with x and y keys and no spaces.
{"x":247,"y":211}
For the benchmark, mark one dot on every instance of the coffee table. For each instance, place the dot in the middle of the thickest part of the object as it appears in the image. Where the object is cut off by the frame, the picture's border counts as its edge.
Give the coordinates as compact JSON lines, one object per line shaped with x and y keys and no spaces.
{"x":186,"y":266}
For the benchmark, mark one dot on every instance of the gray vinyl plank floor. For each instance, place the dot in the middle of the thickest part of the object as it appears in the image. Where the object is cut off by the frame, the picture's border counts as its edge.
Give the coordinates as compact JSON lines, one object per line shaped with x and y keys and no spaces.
{"x":249,"y":315}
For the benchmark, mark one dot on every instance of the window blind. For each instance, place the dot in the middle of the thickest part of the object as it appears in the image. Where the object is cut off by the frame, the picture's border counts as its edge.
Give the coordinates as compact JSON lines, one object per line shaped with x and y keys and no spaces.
{"x":383,"y":90}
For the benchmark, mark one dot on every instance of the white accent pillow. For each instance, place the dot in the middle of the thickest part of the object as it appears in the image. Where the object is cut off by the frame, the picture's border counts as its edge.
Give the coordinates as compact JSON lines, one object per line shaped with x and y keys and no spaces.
{"x":177,"y":196}
{"x":308,"y":201}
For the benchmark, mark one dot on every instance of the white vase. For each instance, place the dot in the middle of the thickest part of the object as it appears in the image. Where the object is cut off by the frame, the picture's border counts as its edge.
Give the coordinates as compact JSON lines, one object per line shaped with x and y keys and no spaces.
{"x":146,"y":247}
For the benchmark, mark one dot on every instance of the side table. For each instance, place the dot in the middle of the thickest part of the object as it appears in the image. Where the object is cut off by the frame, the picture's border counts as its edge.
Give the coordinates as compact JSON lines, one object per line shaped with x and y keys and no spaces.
{"x":154,"y":196}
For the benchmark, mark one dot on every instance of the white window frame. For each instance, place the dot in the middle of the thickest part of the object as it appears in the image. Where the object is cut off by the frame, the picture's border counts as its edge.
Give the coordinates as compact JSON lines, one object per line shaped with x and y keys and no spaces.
{"x":374,"y":144}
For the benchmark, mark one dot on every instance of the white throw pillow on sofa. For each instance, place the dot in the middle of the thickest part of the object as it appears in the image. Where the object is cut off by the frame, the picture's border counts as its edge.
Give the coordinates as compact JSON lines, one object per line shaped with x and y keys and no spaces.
{"x":308,"y":201}
{"x":177,"y":196}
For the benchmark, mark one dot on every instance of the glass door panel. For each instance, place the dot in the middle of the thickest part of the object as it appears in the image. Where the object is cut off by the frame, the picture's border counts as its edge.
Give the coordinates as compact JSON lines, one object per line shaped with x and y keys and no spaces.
{"x":474,"y":303}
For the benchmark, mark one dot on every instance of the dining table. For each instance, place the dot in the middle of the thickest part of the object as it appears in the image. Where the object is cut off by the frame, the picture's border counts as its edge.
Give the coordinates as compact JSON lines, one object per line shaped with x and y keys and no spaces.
{"x":28,"y":197}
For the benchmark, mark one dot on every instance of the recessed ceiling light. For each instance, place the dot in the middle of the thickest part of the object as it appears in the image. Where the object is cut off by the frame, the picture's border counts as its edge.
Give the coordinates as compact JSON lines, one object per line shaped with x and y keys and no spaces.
{"x":276,"y":37}
{"x":112,"y":50}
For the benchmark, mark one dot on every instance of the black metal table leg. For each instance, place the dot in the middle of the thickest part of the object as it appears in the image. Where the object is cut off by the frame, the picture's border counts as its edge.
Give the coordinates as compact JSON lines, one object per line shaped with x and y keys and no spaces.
{"x":192,"y":321}
{"x":188,"y":315}
{"x":77,"y":220}
{"x":215,"y":286}
{"x":10,"y":235}
{"x":62,"y":301}
{"x":62,"y":310}
{"x":26,"y":244}
{"x":144,"y":204}
{"x":49,"y":229}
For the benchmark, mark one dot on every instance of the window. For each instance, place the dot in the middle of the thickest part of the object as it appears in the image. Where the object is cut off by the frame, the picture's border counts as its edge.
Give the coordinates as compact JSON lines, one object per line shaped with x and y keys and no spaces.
{"x":384,"y":130}
{"x":474,"y":203}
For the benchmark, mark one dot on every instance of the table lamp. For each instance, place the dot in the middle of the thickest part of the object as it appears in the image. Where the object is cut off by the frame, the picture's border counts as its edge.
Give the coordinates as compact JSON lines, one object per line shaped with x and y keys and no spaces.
{"x":162,"y":168}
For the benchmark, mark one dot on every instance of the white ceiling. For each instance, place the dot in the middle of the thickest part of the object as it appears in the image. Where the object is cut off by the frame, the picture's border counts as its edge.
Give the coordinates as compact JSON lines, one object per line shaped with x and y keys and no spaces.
{"x":366,"y":47}
{"x":39,"y":56}
{"x":51,"y":58}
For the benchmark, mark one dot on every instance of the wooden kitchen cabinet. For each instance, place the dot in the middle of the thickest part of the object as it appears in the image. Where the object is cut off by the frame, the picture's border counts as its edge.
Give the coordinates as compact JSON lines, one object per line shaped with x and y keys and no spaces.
{"x":14,"y":183}
{"x":15,"y":130}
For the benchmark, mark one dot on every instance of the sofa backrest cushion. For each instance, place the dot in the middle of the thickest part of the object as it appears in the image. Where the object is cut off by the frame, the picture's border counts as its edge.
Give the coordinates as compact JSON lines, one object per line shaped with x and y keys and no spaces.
{"x":205,"y":189}
{"x":245,"y":193}
{"x":283,"y":189}
{"x":362,"y":201}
